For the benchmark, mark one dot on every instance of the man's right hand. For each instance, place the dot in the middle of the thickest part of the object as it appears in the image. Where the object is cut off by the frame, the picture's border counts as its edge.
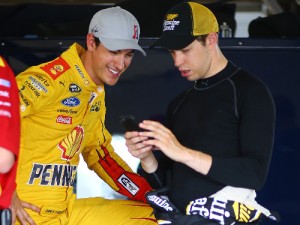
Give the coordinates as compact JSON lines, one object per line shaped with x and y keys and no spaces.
{"x":18,"y":210}
{"x":138,"y":149}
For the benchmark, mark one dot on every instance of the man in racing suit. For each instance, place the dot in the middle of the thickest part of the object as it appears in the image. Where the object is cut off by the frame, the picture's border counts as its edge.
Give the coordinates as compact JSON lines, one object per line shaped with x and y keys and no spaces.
{"x":63,"y":115}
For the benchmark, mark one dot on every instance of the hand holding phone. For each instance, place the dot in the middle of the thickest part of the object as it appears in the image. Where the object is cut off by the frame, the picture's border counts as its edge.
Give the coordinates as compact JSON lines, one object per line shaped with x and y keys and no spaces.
{"x":130,"y":124}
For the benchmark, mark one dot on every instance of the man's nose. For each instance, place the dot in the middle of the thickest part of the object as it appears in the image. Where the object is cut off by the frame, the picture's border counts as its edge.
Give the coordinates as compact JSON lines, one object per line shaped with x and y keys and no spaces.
{"x":120,"y":63}
{"x":178,"y":59}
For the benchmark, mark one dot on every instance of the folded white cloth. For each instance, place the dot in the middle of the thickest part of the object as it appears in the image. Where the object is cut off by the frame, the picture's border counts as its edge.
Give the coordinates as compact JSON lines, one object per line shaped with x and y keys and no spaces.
{"x":242,"y":195}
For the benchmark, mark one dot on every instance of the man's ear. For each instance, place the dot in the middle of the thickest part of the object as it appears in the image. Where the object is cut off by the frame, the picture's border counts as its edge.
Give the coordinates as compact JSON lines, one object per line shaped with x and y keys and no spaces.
{"x":212,"y":39}
{"x":90,"y":41}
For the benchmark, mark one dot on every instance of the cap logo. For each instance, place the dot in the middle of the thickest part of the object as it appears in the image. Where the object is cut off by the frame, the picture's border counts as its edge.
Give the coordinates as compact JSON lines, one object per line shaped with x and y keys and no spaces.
{"x":170,"y":23}
{"x":135,"y":32}
{"x":95,"y":29}
{"x":171,"y":16}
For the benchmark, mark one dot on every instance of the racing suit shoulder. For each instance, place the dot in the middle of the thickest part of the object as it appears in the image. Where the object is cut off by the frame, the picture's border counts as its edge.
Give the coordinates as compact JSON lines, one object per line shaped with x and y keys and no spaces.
{"x":40,"y":85}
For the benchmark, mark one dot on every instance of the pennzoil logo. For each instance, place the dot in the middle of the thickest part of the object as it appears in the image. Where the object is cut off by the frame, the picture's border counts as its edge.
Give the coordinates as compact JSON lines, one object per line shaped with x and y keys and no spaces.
{"x":52,"y":174}
{"x":171,"y":16}
{"x":56,"y":67}
{"x":71,"y":144}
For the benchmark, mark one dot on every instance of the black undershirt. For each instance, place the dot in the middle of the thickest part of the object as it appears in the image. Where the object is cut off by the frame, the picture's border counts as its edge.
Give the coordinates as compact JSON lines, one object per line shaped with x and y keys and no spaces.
{"x":230,"y":116}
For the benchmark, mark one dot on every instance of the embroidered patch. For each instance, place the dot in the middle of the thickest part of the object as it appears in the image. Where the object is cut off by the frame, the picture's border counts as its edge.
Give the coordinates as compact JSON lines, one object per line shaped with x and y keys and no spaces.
{"x":56,"y":67}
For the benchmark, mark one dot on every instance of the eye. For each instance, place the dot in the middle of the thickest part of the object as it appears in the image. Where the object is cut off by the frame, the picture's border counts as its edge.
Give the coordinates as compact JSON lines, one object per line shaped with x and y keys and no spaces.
{"x":130,"y":55}
{"x":185,"y":50}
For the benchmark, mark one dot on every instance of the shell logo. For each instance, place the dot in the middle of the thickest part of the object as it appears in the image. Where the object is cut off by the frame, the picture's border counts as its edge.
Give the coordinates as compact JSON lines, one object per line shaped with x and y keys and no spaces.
{"x":71,"y":144}
{"x":56,"y":69}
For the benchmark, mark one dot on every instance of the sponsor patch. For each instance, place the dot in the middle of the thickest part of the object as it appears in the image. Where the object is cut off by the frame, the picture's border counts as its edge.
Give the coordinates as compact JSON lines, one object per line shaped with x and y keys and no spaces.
{"x":4,"y":83}
{"x":71,"y":144}
{"x":6,"y":104}
{"x":96,"y":107}
{"x":35,"y":83}
{"x":71,"y":102}
{"x":128,"y":184}
{"x":81,"y":74}
{"x":170,"y":23}
{"x":64,"y":119}
{"x":26,"y":102}
{"x":4,"y":94}
{"x":74,"y":88}
{"x":42,"y":79}
{"x":56,"y":67}
{"x":5,"y":113}
{"x":52,"y":174}
{"x":68,"y":111}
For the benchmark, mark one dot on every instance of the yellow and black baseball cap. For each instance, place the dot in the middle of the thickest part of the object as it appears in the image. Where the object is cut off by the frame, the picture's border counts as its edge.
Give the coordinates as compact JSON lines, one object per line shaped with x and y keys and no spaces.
{"x":183,"y":23}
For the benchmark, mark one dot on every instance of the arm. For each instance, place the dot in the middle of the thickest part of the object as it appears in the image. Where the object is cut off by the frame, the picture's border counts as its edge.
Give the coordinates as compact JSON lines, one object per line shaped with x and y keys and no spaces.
{"x":163,"y":139}
{"x":9,"y":118}
{"x":7,"y":160}
{"x":227,"y":162}
{"x":101,"y":157}
{"x":156,"y":168}
{"x":256,"y":136}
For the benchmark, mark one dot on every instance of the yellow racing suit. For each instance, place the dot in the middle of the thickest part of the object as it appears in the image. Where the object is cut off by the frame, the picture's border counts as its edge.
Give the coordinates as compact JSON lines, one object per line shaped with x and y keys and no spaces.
{"x":62,"y":116}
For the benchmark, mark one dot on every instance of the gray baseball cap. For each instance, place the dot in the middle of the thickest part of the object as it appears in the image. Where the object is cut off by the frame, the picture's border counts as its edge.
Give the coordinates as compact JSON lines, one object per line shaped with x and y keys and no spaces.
{"x":116,"y":29}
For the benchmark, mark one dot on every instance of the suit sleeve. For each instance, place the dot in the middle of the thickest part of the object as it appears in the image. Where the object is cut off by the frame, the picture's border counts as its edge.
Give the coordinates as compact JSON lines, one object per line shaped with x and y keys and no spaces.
{"x":110,"y":167}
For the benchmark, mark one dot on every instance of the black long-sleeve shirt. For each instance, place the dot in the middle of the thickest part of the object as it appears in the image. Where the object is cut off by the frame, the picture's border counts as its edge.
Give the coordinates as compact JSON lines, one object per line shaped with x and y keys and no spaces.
{"x":230,"y":116}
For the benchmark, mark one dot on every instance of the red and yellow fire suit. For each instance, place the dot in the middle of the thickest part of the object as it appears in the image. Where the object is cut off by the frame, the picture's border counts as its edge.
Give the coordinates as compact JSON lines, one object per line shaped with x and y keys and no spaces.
{"x":62,"y":116}
{"x":10,"y":129}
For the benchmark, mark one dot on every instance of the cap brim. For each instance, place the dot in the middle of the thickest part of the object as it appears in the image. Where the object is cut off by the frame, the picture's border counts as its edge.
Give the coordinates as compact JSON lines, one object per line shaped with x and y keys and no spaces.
{"x":119,"y":44}
{"x":174,"y":42}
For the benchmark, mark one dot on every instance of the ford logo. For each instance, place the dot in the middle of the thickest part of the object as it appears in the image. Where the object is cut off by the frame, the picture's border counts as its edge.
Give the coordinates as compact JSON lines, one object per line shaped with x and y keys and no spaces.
{"x":71,"y":102}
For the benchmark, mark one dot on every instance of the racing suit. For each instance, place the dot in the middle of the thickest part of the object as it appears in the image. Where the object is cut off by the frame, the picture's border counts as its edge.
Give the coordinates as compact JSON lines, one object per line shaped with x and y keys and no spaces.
{"x":62,"y":115}
{"x":10,"y":129}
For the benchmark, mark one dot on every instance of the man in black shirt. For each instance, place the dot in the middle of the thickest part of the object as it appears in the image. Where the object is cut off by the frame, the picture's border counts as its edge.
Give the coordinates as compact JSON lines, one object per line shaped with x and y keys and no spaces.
{"x":218,"y":142}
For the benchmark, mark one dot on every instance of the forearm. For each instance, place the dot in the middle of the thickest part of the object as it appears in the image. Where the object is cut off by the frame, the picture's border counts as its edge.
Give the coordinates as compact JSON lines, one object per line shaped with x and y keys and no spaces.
{"x":197,"y":160}
{"x":7,"y":160}
{"x":149,"y":163}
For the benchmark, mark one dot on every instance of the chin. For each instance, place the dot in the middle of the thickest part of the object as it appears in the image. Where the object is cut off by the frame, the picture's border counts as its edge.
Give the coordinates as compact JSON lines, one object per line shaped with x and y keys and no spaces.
{"x":111,"y":82}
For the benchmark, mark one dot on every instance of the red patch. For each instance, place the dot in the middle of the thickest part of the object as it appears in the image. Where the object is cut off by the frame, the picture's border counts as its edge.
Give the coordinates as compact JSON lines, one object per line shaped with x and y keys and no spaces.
{"x":56,"y":67}
{"x":64,"y":119}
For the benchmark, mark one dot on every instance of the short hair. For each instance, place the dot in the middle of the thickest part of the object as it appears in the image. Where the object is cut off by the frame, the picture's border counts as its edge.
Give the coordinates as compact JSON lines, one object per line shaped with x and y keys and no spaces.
{"x":202,"y":38}
{"x":97,"y":41}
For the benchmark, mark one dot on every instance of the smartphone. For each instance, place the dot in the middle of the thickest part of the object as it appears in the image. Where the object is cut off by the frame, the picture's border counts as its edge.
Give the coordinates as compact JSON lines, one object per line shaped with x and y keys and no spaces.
{"x":129,"y":123}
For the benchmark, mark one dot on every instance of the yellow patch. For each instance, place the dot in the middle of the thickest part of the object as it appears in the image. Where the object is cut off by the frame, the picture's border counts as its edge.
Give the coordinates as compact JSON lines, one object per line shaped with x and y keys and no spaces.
{"x":171,"y":16}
